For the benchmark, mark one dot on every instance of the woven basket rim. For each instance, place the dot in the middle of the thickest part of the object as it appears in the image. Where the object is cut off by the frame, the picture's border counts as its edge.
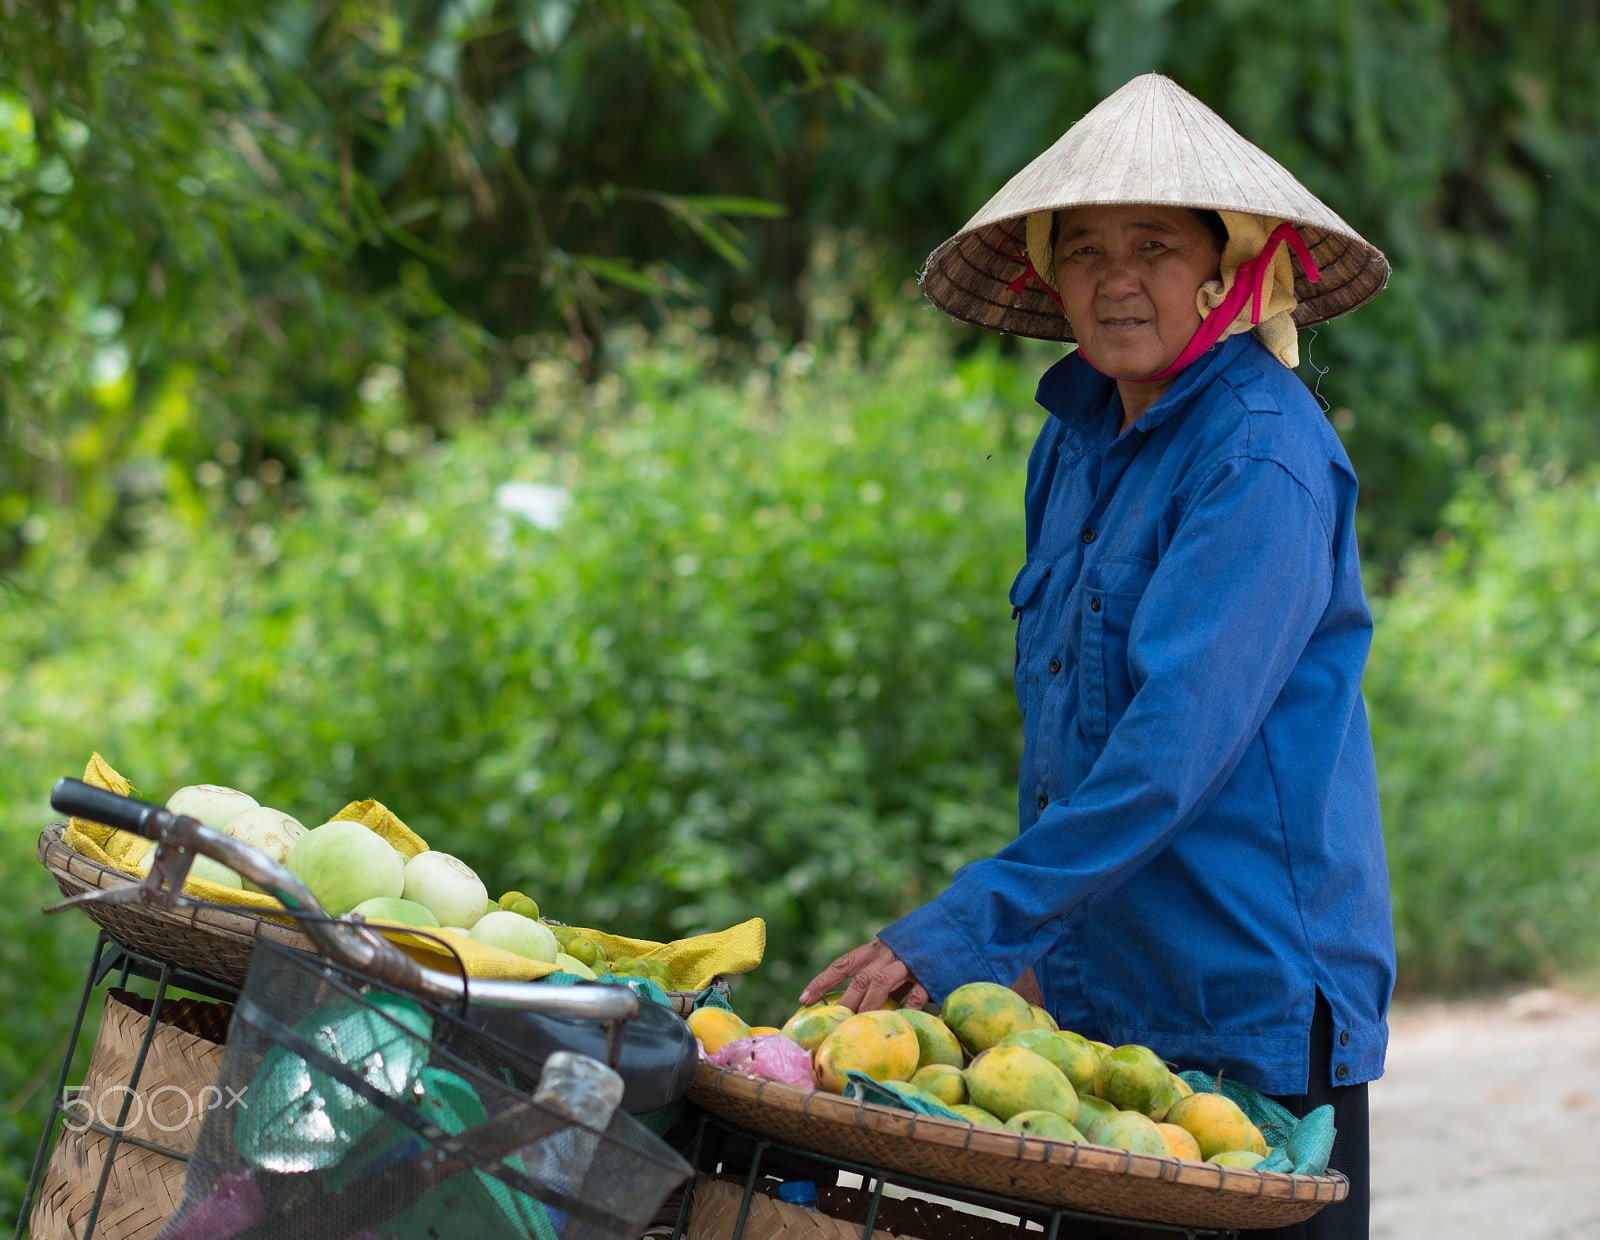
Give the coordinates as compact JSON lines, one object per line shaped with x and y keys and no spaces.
{"x":906,"y":1130}
{"x":65,"y":862}
{"x":71,"y":869}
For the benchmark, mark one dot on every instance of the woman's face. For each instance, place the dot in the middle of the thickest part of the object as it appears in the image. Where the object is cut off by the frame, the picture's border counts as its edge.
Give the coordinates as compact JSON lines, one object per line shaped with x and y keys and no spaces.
{"x":1128,"y":277}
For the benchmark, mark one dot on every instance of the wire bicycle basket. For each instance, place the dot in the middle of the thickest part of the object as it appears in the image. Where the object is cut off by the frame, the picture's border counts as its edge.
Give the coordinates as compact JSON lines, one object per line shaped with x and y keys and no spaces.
{"x":351,"y":1104}
{"x":347,"y":1110}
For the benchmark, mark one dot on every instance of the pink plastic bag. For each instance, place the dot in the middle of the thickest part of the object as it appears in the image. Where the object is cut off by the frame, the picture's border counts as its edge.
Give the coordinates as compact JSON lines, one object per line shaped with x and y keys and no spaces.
{"x":769,"y":1055}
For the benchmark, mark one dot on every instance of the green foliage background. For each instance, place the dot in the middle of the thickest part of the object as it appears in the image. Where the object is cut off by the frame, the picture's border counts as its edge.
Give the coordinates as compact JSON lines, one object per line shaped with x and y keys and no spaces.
{"x":288,"y":290}
{"x":221,"y":219}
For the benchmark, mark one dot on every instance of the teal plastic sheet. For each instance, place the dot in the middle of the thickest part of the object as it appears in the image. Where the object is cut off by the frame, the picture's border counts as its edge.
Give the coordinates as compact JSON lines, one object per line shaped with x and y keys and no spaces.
{"x":711,"y":997}
{"x":863,"y":1088}
{"x":1299,"y":1145}
{"x":644,"y":987}
{"x":479,"y":1205}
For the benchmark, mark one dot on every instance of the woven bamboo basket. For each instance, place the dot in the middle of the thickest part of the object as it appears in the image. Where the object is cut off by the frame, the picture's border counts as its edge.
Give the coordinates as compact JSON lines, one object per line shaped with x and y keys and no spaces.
{"x":215,"y":943}
{"x":841,"y":1214}
{"x":1031,"y":1169}
{"x":145,"y":1186}
{"x":714,"y":1214}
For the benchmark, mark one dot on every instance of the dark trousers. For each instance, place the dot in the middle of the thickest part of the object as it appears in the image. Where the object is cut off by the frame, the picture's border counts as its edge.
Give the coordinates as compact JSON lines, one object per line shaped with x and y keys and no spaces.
{"x":1347,"y":1219}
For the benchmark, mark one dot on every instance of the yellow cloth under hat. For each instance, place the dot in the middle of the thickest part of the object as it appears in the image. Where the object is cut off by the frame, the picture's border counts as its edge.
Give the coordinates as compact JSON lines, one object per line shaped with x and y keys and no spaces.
{"x":1247,"y":237}
{"x":691,"y":963}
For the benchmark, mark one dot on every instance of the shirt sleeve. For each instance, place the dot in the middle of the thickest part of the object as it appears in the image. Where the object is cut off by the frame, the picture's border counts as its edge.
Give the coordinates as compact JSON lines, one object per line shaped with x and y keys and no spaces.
{"x":1227,"y":614}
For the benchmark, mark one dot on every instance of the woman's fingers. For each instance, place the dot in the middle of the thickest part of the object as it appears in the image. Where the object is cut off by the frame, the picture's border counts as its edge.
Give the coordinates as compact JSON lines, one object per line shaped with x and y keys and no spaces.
{"x":875,"y":985}
{"x":876,"y":975}
{"x":845,"y":966}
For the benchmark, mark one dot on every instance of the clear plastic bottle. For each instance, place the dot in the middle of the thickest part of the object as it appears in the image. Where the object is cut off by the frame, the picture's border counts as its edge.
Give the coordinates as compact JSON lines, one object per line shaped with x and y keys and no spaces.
{"x":579,"y":1086}
{"x":802,"y":1193}
{"x":589,"y":1092}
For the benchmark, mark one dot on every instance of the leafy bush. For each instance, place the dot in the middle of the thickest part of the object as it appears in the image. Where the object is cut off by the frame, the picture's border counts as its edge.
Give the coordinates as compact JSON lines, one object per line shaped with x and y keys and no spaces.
{"x":762,"y":666}
{"x":226,"y":225}
{"x":1484,"y":690}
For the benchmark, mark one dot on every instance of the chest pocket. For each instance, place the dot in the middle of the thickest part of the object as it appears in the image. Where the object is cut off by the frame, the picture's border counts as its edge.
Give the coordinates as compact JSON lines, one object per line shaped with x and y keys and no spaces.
{"x":1113,"y":589}
{"x":1027,"y":594}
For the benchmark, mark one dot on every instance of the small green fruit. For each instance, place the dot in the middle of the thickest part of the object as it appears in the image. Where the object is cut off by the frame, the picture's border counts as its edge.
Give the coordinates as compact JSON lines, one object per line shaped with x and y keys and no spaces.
{"x":586,"y":950}
{"x":1043,"y":1124}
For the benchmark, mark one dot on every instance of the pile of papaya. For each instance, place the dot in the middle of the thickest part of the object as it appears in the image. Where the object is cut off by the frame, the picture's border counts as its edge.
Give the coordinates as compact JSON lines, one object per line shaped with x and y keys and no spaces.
{"x":999,"y":1061}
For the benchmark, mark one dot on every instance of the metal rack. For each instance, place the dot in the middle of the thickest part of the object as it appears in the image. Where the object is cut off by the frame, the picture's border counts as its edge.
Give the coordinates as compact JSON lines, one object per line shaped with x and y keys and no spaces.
{"x":112,"y":957}
{"x":716,"y":1145}
{"x":721,"y":1146}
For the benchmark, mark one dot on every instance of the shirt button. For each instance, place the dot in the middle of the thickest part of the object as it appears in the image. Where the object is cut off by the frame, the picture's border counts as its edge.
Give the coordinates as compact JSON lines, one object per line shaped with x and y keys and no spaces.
{"x":1341,"y":1072}
{"x":1094,"y":603}
{"x":1088,"y":536}
{"x":1344,"y":1037}
{"x":1055,"y":666}
{"x":1043,"y":800}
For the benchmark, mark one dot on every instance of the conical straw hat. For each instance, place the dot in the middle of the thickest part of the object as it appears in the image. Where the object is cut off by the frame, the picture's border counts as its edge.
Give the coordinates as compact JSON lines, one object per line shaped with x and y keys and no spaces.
{"x":1149,"y":142}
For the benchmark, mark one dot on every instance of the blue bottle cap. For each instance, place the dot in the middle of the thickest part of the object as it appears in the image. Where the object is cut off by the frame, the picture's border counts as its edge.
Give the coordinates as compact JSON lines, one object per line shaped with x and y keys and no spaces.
{"x":798,"y":1192}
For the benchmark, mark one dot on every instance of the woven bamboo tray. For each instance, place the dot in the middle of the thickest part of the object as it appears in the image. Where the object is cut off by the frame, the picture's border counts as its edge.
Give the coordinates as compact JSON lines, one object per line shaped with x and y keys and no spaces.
{"x":215,"y":943}
{"x":1031,"y":1169}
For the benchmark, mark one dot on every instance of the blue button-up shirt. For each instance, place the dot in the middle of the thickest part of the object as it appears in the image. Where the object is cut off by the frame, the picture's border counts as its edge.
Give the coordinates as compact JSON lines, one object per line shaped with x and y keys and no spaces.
{"x":1200,"y":848}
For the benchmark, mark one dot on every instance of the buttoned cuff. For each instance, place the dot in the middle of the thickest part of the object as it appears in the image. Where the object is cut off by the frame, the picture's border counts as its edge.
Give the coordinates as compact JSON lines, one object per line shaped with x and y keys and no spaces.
{"x":1357,"y":1054}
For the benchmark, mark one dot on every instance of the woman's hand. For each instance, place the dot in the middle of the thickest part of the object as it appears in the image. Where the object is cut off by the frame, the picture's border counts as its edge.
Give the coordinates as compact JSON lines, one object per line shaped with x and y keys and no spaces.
{"x":877,"y":975}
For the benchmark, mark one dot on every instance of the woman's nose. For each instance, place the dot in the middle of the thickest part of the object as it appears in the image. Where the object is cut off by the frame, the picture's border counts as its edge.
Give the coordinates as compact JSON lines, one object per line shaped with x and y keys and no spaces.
{"x":1119,"y":275}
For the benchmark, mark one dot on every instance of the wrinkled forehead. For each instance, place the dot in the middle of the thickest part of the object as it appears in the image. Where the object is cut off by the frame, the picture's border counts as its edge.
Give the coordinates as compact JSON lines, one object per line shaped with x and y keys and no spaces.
{"x":1076,"y":222}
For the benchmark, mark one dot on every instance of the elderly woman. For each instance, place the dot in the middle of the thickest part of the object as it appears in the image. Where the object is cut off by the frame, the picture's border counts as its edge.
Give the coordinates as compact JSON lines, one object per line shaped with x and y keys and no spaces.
{"x":1200,"y":866}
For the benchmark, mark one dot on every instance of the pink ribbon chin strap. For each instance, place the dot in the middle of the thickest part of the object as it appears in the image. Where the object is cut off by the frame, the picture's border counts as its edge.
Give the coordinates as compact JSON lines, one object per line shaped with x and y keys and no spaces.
{"x":1014,"y":249}
{"x":1249,"y":283}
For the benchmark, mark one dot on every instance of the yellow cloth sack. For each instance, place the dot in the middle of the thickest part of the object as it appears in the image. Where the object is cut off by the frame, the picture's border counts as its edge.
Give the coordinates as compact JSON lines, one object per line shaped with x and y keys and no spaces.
{"x":98,"y":842}
{"x":691,"y":963}
{"x":375,"y":817}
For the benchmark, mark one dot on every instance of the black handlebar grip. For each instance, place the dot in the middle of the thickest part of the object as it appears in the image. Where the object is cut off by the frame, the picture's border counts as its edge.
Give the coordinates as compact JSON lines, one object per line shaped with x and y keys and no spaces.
{"x":81,"y":800}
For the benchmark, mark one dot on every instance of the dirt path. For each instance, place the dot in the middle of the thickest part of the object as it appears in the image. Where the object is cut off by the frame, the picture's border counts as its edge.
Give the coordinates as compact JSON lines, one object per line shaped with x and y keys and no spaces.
{"x":1485,"y":1122}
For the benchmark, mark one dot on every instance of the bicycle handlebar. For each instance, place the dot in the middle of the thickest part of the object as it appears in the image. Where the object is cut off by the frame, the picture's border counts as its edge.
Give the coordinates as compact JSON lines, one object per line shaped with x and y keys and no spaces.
{"x":350,"y":943}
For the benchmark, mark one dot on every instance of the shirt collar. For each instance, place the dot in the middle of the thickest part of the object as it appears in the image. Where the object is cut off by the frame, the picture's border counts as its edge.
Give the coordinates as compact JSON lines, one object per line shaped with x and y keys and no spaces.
{"x":1074,"y":392}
